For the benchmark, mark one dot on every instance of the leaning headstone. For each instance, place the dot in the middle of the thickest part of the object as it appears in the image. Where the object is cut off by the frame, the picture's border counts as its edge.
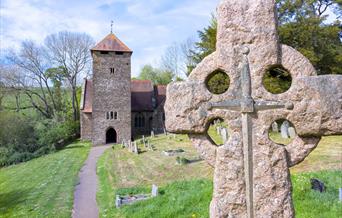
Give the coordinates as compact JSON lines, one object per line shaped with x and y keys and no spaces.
{"x":144,"y":141}
{"x":118,"y":201}
{"x":152,"y":134}
{"x":275,"y":127}
{"x":224,"y":135}
{"x":154,"y":191}
{"x":247,"y":44}
{"x":292,"y":132}
{"x":130,"y":145}
{"x":135,"y":148}
{"x":284,"y":129}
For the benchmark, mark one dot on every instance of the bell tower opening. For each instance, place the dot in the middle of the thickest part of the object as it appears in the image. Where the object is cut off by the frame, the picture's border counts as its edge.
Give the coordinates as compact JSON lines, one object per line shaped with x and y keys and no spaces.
{"x":111,"y":136}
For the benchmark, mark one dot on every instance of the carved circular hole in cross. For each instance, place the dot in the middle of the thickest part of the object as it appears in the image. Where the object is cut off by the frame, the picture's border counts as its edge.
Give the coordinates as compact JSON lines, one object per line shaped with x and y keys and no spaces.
{"x":218,"y":131}
{"x":218,"y":82}
{"x":277,"y":79}
{"x":282,"y":132}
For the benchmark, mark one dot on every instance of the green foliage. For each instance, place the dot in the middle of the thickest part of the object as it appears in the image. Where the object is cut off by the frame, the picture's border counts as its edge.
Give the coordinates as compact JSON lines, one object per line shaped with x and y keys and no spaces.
{"x":277,"y":80}
{"x":207,"y":43}
{"x":218,"y":82}
{"x":23,"y":138}
{"x":157,"y":76}
{"x":43,"y":187}
{"x":320,"y":43}
{"x":57,"y":134}
{"x":57,"y":75}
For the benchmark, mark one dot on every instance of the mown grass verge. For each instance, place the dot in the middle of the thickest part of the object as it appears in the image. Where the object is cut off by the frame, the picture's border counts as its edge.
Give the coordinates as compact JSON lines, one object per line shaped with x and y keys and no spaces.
{"x":42,"y":187}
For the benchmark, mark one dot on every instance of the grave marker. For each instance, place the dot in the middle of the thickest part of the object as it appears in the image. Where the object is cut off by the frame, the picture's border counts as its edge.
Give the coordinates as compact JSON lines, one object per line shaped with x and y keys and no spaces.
{"x":284,"y":129}
{"x":292,"y":132}
{"x":224,"y":135}
{"x":275,"y":127}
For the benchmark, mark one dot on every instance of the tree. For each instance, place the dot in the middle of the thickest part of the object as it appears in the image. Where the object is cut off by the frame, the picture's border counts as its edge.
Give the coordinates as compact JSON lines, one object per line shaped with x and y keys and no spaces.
{"x":72,"y":52}
{"x":205,"y":46}
{"x":302,"y":25}
{"x":157,"y":76}
{"x":57,"y":76}
{"x":28,"y":76}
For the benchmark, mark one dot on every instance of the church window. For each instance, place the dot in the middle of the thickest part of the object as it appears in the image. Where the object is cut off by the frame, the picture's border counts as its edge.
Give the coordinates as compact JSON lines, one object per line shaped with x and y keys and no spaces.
{"x":104,"y":52}
{"x":115,"y":115}
{"x":119,"y":53}
{"x":139,"y":121}
{"x":107,"y":116}
{"x":136,"y":122}
{"x":111,"y":115}
{"x":112,"y":70}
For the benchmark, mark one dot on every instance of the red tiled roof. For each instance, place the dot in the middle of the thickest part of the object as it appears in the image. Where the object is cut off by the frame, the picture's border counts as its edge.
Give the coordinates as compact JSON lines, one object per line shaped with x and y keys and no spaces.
{"x":88,"y":97}
{"x":142,"y":94}
{"x":111,"y":43}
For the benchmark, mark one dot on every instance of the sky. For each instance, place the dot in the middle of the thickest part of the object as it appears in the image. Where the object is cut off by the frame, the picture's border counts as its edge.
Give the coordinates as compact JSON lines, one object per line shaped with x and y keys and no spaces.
{"x":147,"y":27}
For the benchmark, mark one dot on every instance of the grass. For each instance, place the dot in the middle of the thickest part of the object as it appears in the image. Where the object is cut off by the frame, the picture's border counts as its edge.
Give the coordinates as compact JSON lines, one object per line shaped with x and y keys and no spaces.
{"x":119,"y":169}
{"x":327,"y":156}
{"x":186,"y":189}
{"x":42,"y":187}
{"x":312,"y":204}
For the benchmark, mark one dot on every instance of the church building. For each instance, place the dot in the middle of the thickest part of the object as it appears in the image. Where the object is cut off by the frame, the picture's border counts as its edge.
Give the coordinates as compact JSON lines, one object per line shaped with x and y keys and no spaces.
{"x":113,"y":106}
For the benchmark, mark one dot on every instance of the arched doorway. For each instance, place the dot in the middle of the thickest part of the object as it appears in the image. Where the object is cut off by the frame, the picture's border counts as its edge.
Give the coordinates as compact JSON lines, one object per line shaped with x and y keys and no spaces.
{"x":111,"y":136}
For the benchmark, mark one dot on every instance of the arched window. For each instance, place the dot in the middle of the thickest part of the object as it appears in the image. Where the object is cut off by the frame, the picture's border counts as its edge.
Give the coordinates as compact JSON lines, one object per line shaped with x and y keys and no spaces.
{"x":111,"y":115}
{"x":139,"y":121}
{"x":115,"y":115}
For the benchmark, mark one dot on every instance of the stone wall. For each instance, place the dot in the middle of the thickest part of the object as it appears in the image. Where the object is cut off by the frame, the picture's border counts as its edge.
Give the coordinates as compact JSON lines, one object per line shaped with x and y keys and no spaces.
{"x":112,"y":92}
{"x":86,"y":126}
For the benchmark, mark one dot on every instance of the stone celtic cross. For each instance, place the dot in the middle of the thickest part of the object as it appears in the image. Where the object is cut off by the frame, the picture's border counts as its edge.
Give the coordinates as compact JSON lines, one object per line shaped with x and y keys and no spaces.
{"x":251,"y":176}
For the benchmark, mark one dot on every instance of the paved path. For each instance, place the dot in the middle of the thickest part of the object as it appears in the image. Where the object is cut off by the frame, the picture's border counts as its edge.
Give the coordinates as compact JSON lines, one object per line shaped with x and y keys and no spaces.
{"x":85,"y":194}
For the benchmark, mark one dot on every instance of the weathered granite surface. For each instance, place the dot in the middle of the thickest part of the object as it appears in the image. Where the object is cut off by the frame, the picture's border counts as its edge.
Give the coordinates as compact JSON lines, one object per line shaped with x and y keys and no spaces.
{"x":317,"y":111}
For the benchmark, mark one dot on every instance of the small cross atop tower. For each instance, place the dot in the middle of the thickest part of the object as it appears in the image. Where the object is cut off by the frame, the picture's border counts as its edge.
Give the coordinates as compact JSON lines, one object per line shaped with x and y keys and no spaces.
{"x":111,"y":26}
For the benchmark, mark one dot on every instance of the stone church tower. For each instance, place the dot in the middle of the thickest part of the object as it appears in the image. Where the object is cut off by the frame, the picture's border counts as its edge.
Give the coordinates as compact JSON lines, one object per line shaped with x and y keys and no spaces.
{"x":111,"y":106}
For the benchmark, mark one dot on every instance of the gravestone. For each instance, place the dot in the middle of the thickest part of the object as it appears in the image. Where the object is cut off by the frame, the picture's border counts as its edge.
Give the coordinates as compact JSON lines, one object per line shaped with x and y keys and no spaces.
{"x":135,"y":148}
{"x":292,"y":132}
{"x":284,"y":129}
{"x":154,"y":190}
{"x":224,"y":135}
{"x":152,"y":134}
{"x":275,"y":127}
{"x":144,"y":141}
{"x":251,"y":177}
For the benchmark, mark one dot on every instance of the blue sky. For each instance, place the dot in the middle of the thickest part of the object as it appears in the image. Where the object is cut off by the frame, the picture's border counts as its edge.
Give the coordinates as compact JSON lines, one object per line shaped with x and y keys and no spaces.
{"x":148,"y":27}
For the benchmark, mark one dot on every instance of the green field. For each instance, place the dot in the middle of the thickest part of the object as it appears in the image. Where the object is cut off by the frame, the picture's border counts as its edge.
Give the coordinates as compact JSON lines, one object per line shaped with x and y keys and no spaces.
{"x":186,"y":189}
{"x":42,"y":187}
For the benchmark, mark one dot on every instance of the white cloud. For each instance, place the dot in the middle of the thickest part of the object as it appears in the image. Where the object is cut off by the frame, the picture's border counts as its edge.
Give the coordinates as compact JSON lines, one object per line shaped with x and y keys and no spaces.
{"x":147,"y":27}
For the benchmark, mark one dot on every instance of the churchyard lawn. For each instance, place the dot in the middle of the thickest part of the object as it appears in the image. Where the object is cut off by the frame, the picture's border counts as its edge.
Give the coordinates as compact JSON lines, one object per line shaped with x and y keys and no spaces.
{"x":185,"y":190}
{"x":43,"y":187}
